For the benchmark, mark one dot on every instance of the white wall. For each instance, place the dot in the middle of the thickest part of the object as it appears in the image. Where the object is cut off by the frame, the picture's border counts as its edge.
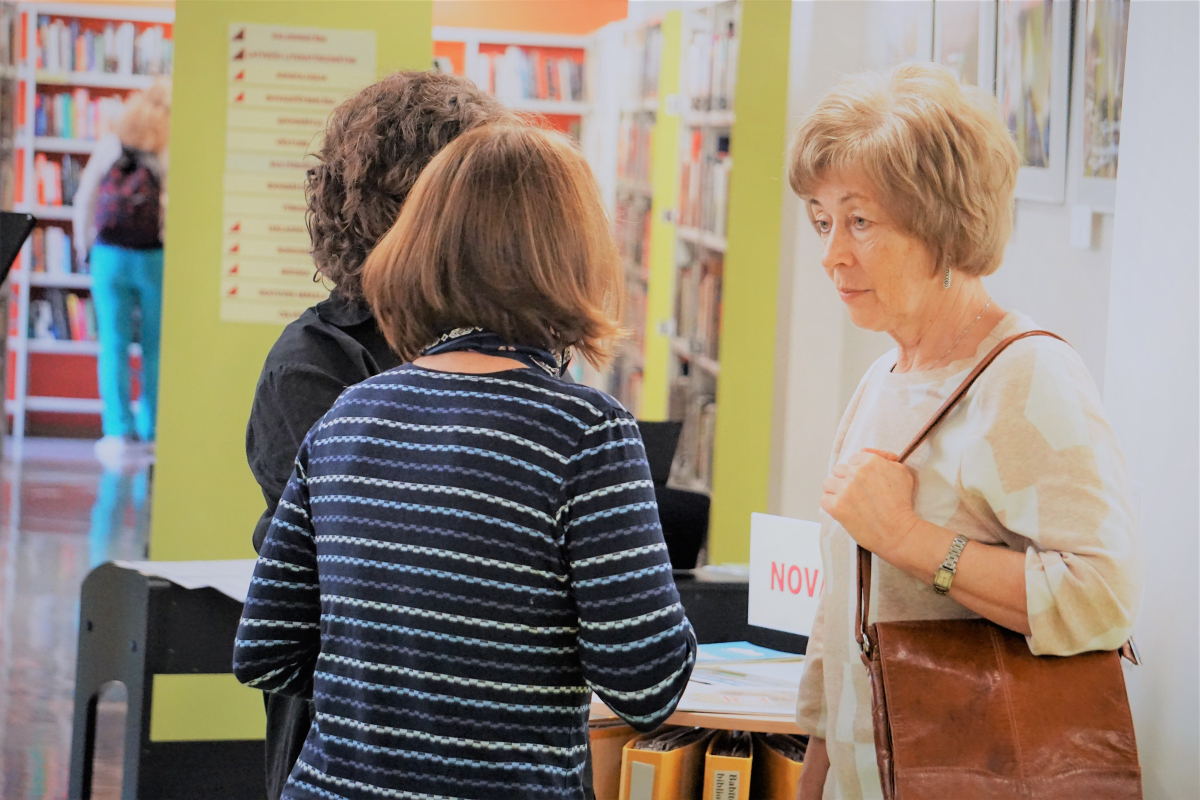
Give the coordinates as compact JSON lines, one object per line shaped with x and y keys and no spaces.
{"x":1062,"y":288}
{"x":1152,"y":386}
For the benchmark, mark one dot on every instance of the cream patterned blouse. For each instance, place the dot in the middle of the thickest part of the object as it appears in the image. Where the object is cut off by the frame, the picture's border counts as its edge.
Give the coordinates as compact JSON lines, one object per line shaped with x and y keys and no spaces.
{"x":1027,"y":460}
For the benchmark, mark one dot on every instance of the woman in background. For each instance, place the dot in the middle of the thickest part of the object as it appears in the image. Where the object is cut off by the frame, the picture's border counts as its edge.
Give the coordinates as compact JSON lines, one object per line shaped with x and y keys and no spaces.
{"x":118,"y":221}
{"x":469,"y":546}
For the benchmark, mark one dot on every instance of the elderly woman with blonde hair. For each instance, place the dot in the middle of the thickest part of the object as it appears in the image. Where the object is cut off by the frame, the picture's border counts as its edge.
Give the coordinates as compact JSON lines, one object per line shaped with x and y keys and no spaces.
{"x":119,"y":209}
{"x":908,"y":180}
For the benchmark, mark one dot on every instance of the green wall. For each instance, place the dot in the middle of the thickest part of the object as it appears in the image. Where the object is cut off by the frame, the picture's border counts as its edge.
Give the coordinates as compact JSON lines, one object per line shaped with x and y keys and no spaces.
{"x":205,"y":499}
{"x":742,"y":454}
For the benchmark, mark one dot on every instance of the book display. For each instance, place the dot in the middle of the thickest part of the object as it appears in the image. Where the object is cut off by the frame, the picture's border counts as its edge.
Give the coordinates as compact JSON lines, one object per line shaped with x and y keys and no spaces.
{"x":710,"y":46}
{"x":75,"y":64}
{"x":537,"y":73}
{"x":633,"y":213}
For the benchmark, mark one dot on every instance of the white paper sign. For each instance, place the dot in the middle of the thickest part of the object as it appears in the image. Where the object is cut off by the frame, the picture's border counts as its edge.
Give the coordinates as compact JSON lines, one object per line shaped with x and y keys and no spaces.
{"x":786,"y":576}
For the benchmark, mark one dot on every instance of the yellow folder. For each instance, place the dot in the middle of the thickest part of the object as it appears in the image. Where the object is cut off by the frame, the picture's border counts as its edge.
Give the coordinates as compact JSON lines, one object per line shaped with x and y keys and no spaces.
{"x":608,"y":740}
{"x":671,"y":774}
{"x":727,"y":766}
{"x":778,"y":762}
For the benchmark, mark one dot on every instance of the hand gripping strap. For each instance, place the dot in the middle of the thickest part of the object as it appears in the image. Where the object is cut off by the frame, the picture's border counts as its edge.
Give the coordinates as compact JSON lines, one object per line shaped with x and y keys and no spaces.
{"x":863,"y":609}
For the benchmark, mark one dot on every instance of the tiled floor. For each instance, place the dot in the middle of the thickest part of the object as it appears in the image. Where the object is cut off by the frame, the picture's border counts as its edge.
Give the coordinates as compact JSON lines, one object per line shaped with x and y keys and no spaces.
{"x":61,"y":514}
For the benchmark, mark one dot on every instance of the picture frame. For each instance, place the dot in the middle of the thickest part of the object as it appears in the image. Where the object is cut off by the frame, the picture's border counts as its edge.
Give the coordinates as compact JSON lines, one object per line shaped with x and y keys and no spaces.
{"x":1033,"y":65}
{"x":964,"y":40}
{"x":1101,"y":27}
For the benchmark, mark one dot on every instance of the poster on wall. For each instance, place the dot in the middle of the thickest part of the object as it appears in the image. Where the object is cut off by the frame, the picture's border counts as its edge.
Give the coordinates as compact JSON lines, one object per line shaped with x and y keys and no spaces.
{"x":1032,"y":77}
{"x":964,"y":40}
{"x":1100,"y":50}
{"x":282,"y":84}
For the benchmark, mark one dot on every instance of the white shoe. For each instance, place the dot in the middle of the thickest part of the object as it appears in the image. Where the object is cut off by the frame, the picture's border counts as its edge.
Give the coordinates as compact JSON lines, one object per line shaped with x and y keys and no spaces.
{"x":111,"y":451}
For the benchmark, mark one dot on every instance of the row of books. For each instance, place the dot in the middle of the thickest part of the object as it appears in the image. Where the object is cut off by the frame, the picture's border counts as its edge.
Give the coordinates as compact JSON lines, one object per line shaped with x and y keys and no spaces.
{"x":63,"y":316}
{"x":634,"y":135}
{"x":711,"y":63}
{"x":51,"y":250}
{"x":75,"y":115}
{"x":528,"y":74}
{"x":704,"y":185}
{"x":698,"y":306}
{"x":70,"y":46}
{"x":631,"y":230}
{"x":57,"y":181}
{"x":645,"y":51}
{"x":692,"y":467}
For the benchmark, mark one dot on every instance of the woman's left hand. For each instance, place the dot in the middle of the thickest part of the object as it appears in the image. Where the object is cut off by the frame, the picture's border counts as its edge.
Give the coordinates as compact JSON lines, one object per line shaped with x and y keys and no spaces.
{"x":871,"y":495}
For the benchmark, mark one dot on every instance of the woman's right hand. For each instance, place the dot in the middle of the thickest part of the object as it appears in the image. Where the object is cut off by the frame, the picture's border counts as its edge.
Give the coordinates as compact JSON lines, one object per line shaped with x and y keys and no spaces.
{"x":816,"y":767}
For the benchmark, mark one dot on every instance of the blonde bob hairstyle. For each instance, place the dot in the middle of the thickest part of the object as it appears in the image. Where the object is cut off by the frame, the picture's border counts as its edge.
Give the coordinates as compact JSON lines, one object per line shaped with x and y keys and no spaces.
{"x":145,"y":122}
{"x":504,"y":230}
{"x":937,"y":151}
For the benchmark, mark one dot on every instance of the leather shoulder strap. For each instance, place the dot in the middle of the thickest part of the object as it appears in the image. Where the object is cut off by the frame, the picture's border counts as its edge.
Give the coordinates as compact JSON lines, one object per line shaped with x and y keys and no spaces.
{"x":863,"y":609}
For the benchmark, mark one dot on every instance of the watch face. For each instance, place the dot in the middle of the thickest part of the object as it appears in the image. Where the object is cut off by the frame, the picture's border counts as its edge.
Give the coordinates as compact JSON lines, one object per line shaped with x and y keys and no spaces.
{"x":942,"y":579}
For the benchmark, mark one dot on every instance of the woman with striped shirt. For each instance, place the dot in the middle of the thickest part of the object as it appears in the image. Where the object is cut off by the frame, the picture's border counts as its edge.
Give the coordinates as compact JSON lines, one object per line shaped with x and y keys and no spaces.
{"x":469,"y":546}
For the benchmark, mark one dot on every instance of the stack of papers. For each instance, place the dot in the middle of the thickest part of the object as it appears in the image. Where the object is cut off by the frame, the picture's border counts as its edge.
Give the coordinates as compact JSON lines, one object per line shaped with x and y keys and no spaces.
{"x":743,"y":678}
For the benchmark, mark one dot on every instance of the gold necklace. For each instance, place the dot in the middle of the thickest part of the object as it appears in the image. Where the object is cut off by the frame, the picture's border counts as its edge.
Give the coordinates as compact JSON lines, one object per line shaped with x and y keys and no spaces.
{"x":964,"y":333}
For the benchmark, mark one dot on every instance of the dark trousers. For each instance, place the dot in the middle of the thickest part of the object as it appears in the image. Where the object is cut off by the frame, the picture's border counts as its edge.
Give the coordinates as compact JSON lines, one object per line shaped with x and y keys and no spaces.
{"x":288,"y":721}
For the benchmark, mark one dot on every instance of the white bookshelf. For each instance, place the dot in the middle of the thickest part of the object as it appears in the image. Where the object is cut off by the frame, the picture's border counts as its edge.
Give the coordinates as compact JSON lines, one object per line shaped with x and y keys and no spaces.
{"x":20,"y":345}
{"x":707,"y":115}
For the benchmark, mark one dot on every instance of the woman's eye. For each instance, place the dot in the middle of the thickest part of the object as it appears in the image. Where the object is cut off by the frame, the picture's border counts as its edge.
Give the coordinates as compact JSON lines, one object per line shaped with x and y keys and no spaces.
{"x":823,"y":225}
{"x":860,"y":223}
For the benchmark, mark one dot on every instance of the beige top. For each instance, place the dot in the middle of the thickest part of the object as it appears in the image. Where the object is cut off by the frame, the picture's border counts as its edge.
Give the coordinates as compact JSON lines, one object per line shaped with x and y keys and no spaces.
{"x":1028,"y":461}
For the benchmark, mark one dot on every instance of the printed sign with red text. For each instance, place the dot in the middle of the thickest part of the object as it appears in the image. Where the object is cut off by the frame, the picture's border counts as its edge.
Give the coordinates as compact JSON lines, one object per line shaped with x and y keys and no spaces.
{"x":786,"y":576}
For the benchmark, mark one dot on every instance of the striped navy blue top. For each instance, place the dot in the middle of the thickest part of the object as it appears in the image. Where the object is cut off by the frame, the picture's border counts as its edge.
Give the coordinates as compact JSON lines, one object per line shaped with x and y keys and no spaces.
{"x":457,"y":562}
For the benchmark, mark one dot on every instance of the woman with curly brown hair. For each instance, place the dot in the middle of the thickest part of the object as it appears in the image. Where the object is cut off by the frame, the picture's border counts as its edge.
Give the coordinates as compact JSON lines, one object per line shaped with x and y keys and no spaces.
{"x":376,"y":144}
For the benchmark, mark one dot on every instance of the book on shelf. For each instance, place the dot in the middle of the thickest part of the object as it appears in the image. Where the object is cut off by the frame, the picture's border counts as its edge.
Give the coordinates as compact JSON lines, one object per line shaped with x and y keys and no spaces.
{"x":704,"y":184}
{"x":651,"y":61}
{"x":698,"y":306}
{"x":75,"y":115}
{"x":692,"y":467}
{"x":631,"y":229}
{"x":520,"y":73}
{"x":57,"y":181}
{"x":62,"y":316}
{"x":711,"y":63}
{"x":97,"y":46}
{"x":633,"y":149}
{"x":51,"y":251}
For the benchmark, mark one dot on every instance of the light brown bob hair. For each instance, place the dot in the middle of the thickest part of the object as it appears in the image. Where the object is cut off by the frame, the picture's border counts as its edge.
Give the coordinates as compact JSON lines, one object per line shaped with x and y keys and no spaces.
{"x":146,"y":121}
{"x":943,"y":162}
{"x":505,"y":230}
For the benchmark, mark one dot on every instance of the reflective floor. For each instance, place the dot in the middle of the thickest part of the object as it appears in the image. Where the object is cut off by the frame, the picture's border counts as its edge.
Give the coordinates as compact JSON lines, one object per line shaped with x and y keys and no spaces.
{"x":61,"y":514}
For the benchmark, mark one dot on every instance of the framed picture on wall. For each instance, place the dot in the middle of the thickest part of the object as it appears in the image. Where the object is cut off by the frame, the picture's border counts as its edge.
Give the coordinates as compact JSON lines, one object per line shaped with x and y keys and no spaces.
{"x":1033,"y":62}
{"x":899,"y":32}
{"x":964,"y":39}
{"x":1100,"y":53}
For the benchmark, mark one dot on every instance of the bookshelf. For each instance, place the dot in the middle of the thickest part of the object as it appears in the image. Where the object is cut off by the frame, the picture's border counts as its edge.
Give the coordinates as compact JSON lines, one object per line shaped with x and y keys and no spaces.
{"x":545,"y":75}
{"x":76,"y":64}
{"x":710,"y":43}
{"x":633,"y":212}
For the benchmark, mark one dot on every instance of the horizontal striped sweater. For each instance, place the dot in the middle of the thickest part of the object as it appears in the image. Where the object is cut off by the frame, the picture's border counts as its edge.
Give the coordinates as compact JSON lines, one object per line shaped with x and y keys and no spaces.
{"x":457,"y":563}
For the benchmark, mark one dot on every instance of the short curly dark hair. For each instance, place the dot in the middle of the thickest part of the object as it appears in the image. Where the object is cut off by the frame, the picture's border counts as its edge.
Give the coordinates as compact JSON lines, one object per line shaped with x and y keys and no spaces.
{"x":376,"y":144}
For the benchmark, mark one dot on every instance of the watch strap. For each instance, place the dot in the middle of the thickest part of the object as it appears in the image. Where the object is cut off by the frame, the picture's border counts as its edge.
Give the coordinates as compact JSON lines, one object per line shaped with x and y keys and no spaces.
{"x":945,"y":574}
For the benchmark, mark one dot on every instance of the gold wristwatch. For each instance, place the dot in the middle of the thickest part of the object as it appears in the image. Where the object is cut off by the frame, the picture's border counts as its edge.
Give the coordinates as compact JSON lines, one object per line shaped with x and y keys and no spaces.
{"x":945,"y":575}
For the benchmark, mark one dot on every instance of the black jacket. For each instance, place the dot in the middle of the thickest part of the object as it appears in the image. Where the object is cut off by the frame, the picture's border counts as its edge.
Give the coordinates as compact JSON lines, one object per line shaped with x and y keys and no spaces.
{"x":333,"y":345}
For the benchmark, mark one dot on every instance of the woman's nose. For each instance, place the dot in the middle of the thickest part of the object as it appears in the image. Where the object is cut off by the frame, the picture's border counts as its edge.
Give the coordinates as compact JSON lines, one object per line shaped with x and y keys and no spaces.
{"x":837,"y":252}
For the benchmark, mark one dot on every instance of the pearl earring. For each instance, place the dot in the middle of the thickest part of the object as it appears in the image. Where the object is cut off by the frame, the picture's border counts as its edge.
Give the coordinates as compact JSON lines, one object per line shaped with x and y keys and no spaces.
{"x":946,"y":280}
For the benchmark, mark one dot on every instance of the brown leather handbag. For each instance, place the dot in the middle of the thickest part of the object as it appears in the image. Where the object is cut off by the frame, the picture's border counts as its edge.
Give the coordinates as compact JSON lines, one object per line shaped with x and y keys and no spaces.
{"x":962,"y":709}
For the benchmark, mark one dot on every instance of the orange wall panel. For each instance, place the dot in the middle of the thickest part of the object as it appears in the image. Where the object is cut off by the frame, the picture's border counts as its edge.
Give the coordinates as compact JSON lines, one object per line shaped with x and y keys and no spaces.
{"x":540,"y":16}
